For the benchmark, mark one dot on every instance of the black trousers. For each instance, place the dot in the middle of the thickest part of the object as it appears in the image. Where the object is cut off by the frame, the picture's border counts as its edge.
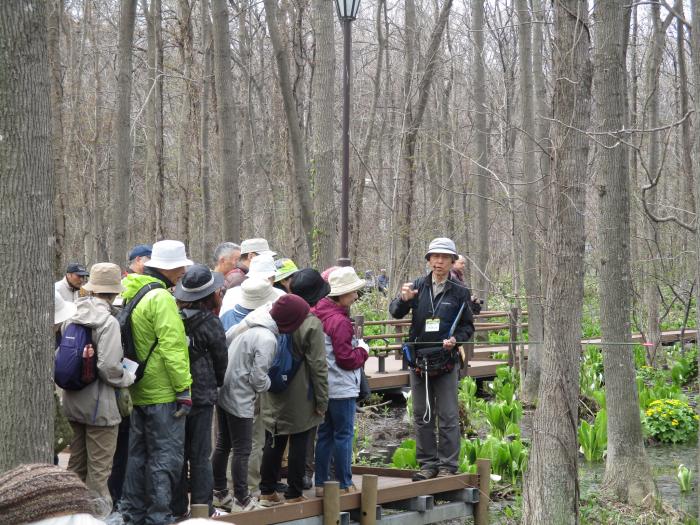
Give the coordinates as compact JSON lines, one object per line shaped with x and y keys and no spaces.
{"x":272,"y":462}
{"x":121,"y":455}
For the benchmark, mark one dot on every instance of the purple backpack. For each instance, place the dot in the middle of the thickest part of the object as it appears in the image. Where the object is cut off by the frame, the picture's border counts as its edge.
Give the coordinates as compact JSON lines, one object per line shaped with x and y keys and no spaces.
{"x":73,"y":370}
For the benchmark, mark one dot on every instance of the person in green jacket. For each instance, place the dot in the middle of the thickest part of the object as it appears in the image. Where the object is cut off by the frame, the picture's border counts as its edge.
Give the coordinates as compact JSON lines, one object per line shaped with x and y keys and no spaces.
{"x":162,"y":397}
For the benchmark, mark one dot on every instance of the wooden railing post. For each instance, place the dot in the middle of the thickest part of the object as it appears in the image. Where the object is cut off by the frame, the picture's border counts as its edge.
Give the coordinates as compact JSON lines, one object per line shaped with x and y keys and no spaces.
{"x":368,"y":499}
{"x":513,"y":330}
{"x":483,"y":469}
{"x":331,"y":503}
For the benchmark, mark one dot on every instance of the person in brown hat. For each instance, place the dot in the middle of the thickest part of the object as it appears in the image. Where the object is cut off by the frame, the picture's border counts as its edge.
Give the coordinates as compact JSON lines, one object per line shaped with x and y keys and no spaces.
{"x":40,"y":492}
{"x":92,"y":411}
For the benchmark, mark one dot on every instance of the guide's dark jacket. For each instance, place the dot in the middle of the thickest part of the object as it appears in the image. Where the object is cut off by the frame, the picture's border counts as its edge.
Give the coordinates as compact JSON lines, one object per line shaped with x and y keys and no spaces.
{"x":208,"y":354}
{"x":450,"y":300}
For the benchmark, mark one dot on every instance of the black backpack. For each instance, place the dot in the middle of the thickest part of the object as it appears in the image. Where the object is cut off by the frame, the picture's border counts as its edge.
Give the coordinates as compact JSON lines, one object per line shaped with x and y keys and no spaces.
{"x":124,"y":320}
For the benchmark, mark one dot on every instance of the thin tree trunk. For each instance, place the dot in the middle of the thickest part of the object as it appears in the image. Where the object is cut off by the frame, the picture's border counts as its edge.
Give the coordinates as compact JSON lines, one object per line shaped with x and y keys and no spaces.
{"x":296,"y":139}
{"x":530,"y":235}
{"x":481,"y":245}
{"x":627,"y":473}
{"x":551,"y":481}
{"x":228,"y":155}
{"x":26,"y":225}
{"x":121,"y":202}
{"x":687,"y":191}
{"x":323,"y":118}
{"x":206,"y":232}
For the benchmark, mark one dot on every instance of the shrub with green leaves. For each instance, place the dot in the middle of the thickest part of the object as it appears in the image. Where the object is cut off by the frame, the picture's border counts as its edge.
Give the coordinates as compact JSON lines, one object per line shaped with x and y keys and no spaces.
{"x":670,"y":421}
{"x":503,"y":418}
{"x":659,"y":390}
{"x":508,"y":458}
{"x":405,"y":456}
{"x":684,"y":366}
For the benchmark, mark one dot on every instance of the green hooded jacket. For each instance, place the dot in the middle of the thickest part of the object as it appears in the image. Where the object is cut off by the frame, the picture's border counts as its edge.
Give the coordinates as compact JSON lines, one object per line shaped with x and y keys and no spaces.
{"x":156,"y":315}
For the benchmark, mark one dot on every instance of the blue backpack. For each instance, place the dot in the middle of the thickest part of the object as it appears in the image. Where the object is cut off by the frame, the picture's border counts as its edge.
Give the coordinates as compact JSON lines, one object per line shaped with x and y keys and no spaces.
{"x":73,"y":371}
{"x":284,"y":366}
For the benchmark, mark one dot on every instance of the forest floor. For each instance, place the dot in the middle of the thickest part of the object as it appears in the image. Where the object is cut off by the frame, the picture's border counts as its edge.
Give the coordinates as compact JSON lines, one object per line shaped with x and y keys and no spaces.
{"x":382,"y":429}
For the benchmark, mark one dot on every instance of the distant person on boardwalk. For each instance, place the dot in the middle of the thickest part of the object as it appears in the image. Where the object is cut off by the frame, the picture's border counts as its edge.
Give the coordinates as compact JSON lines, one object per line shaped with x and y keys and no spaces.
{"x":162,"y":398}
{"x":441,"y":317}
{"x":383,"y":281}
{"x":74,"y":279}
{"x":226,"y":256}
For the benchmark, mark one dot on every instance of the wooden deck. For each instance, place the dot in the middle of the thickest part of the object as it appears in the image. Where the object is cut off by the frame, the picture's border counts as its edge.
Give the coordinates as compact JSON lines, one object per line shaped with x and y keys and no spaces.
{"x":393,"y":485}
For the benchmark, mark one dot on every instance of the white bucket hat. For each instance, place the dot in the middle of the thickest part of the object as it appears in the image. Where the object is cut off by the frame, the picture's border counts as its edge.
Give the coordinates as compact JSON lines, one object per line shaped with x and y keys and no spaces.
{"x":344,"y":280}
{"x":167,"y":255}
{"x":254,"y":292}
{"x":262,"y":266}
{"x":62,"y":310}
{"x":258,"y":245}
{"x":105,"y":278}
{"x":442,"y":245}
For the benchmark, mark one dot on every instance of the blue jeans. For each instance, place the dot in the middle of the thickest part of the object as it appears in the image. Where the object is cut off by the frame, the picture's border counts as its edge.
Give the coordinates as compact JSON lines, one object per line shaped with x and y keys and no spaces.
{"x":156,"y":455}
{"x":335,"y":437}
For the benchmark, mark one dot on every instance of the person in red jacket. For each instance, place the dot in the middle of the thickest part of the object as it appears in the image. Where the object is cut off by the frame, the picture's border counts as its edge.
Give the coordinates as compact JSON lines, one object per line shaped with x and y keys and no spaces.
{"x":345,"y":356}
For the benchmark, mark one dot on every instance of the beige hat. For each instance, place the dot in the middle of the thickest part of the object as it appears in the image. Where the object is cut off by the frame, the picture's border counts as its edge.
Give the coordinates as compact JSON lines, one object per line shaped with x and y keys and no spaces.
{"x":258,"y":246}
{"x":105,"y":278}
{"x":344,"y":280}
{"x":262,"y":266}
{"x":254,"y":292}
{"x":62,"y":310}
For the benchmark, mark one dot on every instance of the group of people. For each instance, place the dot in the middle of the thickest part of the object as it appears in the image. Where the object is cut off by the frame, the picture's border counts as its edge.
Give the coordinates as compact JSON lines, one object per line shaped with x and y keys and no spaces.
{"x":209,"y":343}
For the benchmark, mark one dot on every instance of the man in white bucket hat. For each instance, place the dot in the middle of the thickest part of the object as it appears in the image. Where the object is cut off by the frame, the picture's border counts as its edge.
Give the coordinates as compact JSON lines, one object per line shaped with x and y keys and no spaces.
{"x":250,"y":249}
{"x":441,"y":317}
{"x":162,"y":397}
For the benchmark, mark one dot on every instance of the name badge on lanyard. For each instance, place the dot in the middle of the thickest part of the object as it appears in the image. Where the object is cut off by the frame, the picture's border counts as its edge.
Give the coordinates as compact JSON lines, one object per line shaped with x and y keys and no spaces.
{"x":432,"y":325}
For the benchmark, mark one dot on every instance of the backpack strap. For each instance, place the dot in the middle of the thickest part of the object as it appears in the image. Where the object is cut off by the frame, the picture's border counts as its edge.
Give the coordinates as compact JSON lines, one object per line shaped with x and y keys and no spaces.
{"x":131,"y":306}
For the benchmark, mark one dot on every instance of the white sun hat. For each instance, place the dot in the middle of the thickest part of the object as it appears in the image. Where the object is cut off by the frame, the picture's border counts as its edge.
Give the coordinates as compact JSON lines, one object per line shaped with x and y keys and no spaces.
{"x":62,"y":310}
{"x":257,"y":245}
{"x":344,"y":280}
{"x":167,"y":255}
{"x":262,"y":266}
{"x":442,"y":245}
{"x":254,"y":292}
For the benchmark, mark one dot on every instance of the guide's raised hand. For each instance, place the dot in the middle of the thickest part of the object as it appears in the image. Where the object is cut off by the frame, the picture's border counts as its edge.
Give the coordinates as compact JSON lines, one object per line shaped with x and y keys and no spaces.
{"x":407,"y":292}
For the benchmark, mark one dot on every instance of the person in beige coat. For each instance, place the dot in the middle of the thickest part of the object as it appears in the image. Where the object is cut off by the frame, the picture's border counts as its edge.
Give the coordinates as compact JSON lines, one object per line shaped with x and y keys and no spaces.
{"x":92,"y":411}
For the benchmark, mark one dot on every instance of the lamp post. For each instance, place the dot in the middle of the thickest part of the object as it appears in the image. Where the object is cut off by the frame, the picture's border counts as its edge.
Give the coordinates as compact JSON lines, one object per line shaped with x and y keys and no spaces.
{"x":347,"y":12}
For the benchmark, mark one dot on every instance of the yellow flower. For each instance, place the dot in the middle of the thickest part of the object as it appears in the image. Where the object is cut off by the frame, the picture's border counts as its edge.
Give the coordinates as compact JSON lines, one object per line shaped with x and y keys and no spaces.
{"x":651,"y":412}
{"x":696,"y":417}
{"x":674,"y":422}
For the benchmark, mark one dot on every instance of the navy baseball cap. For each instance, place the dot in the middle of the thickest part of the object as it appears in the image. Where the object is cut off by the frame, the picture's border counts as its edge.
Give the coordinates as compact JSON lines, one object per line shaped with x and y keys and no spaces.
{"x":140,"y":250}
{"x":78,"y":268}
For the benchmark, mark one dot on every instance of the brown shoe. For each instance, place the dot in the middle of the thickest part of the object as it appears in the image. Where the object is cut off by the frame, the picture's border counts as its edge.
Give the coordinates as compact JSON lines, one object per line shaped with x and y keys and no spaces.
{"x":444,"y":473}
{"x":296,"y":500}
{"x":271,"y":500}
{"x":318,"y":492}
{"x":423,"y":474}
{"x":349,"y":490}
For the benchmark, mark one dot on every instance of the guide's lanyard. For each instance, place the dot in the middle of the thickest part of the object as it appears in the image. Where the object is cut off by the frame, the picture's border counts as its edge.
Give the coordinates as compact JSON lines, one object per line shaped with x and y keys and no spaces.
{"x":432,"y":300}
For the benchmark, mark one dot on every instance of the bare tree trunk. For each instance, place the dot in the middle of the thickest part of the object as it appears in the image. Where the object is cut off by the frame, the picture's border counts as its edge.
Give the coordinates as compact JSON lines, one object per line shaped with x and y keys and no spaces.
{"x":323,"y":118}
{"x":687,"y":191}
{"x":55,"y":8}
{"x":228,"y":156}
{"x":26,"y":226}
{"x":551,"y":481}
{"x":414,"y":120}
{"x":296,"y":139}
{"x":121,"y":202}
{"x":207,"y":245}
{"x":530,"y":235}
{"x":627,"y":473}
{"x":481,"y":246}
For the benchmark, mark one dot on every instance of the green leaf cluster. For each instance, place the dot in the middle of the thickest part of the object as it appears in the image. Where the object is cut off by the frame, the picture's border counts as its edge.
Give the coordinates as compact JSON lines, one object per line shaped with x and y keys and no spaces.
{"x":405,"y":456}
{"x":593,"y":438}
{"x":670,"y":421}
{"x":508,"y":458}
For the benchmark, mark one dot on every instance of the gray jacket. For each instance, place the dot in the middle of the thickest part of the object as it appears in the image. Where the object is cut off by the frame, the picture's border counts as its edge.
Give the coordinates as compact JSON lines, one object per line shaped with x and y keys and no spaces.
{"x":250,"y":356}
{"x":342,"y":384}
{"x":96,"y":404}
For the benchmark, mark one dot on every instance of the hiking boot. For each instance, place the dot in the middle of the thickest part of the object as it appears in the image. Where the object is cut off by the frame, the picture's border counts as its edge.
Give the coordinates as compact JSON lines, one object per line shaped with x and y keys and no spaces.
{"x":351,"y":489}
{"x":425,"y":473}
{"x":296,"y":500}
{"x":318,"y":492}
{"x":271,"y":500}
{"x":250,"y":503}
{"x":444,"y":472}
{"x":223,"y":500}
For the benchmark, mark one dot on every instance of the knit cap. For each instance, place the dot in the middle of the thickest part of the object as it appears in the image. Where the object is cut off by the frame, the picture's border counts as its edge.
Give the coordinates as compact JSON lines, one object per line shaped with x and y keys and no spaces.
{"x":34,"y":492}
{"x":289,"y":311}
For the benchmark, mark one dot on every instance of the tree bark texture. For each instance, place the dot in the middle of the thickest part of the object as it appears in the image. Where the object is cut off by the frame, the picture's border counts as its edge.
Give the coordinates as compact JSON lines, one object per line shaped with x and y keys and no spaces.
{"x":228,"y":155}
{"x":627,"y":473}
{"x":323,"y":118}
{"x":296,"y":138}
{"x":207,"y":212}
{"x":480,"y":250}
{"x":122,"y":173}
{"x":551,"y":481}
{"x":26,"y":231}
{"x":530,"y":234}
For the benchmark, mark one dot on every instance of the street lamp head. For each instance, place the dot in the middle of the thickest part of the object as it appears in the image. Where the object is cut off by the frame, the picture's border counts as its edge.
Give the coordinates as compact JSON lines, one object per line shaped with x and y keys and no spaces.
{"x":347,"y":9}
